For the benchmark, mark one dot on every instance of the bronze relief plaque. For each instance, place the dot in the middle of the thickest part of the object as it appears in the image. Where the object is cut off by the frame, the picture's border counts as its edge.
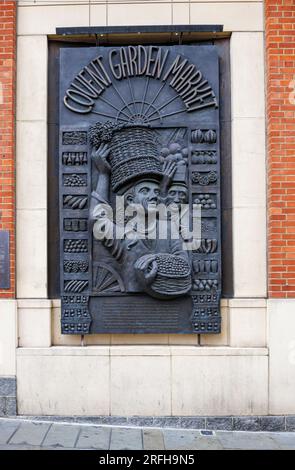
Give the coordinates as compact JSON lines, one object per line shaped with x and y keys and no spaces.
{"x":139,"y":185}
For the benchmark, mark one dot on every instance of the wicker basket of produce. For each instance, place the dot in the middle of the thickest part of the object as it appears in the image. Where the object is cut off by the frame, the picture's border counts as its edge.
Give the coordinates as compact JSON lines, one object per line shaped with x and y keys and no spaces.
{"x":172,"y":275}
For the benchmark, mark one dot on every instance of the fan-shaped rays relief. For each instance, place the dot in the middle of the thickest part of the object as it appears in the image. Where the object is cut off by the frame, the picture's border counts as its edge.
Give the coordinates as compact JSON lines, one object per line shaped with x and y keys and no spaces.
{"x":139,"y":103}
{"x":106,"y":279}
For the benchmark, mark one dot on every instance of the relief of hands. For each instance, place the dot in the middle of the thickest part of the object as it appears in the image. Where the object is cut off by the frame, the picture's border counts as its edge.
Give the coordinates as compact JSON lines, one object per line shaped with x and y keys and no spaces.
{"x":169,"y":168}
{"x":146,"y":268}
{"x":99,"y":157}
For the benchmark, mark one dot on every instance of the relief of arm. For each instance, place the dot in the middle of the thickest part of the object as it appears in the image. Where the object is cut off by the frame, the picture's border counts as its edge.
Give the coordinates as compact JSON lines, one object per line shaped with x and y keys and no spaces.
{"x":101,"y":194}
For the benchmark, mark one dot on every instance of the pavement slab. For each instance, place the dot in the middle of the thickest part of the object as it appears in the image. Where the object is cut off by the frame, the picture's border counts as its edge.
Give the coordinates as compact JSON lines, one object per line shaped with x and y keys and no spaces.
{"x":285,"y":440}
{"x":247,"y":440}
{"x":7,"y":429}
{"x":62,"y":435}
{"x":153,"y":439}
{"x":92,"y":437}
{"x":126,"y":439}
{"x":193,"y":440}
{"x":30,"y":434}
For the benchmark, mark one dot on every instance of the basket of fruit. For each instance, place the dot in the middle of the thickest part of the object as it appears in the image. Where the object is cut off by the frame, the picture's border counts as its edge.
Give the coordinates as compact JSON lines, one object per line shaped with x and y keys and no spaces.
{"x":172,"y":274}
{"x":178,"y":154}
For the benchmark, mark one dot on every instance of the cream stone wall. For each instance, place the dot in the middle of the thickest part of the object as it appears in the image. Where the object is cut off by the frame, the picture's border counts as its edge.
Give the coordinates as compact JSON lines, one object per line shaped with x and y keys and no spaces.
{"x":142,"y":381}
{"x":124,"y":374}
{"x":8,"y":337}
{"x":34,"y":322}
{"x":248,"y":164}
{"x":281,"y":326}
{"x":31,"y":166}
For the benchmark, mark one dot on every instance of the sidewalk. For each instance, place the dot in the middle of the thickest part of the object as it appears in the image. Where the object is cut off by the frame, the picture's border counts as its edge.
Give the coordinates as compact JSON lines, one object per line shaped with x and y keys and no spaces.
{"x":16,"y":434}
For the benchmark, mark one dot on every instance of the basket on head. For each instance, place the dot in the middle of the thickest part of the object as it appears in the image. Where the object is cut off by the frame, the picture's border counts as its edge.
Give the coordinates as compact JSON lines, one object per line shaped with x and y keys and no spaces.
{"x":133,"y":155}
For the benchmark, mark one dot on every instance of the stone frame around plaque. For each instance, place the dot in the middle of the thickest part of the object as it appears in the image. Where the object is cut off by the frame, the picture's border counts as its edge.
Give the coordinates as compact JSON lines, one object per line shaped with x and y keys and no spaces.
{"x":198,"y":301}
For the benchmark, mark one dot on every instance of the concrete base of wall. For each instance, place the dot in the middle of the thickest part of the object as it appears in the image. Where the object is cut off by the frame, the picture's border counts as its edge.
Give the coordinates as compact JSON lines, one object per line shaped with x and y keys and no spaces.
{"x":251,"y":372}
{"x":142,"y":381}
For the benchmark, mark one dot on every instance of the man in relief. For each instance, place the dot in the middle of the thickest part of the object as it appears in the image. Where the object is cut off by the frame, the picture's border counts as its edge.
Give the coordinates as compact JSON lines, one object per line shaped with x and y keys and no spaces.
{"x":128,"y":165}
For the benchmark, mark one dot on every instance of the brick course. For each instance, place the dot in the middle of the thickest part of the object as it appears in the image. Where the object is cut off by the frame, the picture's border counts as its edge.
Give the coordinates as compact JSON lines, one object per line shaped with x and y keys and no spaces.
{"x":7,"y":129}
{"x":280,"y":61}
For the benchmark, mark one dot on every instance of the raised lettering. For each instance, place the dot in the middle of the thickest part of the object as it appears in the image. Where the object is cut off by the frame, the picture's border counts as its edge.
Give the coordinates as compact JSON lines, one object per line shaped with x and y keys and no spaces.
{"x":116,"y":69}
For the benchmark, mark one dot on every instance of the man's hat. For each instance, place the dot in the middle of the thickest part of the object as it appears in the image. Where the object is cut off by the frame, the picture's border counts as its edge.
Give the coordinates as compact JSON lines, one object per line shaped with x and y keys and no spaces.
{"x":180,"y":175}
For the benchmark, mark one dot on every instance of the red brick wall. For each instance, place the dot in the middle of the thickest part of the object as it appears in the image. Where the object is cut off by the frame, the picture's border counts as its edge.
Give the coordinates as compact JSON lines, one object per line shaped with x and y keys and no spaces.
{"x":280,"y":61}
{"x":7,"y":129}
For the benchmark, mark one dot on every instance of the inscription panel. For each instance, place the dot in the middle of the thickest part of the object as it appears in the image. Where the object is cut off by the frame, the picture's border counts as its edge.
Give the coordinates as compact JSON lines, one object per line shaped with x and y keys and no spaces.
{"x":151,"y":317}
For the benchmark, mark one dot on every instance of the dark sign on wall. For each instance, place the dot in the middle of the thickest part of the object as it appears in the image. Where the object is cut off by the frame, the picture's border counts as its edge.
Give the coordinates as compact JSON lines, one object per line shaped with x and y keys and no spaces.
{"x":4,"y":260}
{"x":140,"y":190}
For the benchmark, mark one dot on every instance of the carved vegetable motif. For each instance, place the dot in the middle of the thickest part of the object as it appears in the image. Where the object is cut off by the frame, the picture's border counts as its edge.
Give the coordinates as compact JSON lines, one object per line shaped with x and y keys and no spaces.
{"x":207,"y":245}
{"x":205,"y":266}
{"x":75,"y":246}
{"x":74,"y":158}
{"x":210,"y":137}
{"x":204,"y":178}
{"x":75,"y":202}
{"x":72,"y":266}
{"x":200,"y":136}
{"x":75,"y":286}
{"x":74,"y":138}
{"x":205,"y":284}
{"x":75,"y":225}
{"x":204,"y":156}
{"x":75,"y":180}
{"x":206,"y":201}
{"x":174,"y":153}
{"x":197,"y":136}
